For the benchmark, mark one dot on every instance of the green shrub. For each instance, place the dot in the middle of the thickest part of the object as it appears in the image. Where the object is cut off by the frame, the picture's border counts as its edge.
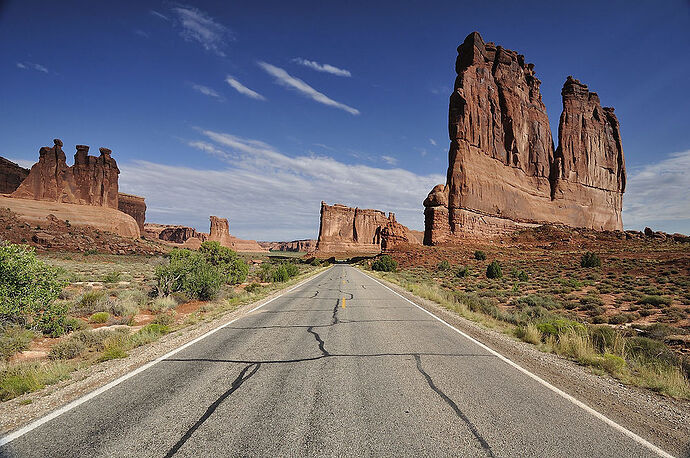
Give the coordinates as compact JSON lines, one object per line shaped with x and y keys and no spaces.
{"x":537,"y":300}
{"x":621,"y":318}
{"x":603,"y":337}
{"x":149,"y":333}
{"x":233,"y":267}
{"x":162,"y":303}
{"x":14,"y":339}
{"x":292,"y":269}
{"x":28,"y":289}
{"x":265,"y":272}
{"x":522,"y":276}
{"x":655,"y":300}
{"x":462,"y":272}
{"x":650,"y":350}
{"x":190,"y":272}
{"x":494,"y":270}
{"x":590,"y":259}
{"x":67,"y":349}
{"x":443,"y":265}
{"x":479,"y":255}
{"x":252,"y":288}
{"x":558,"y":326}
{"x":280,"y":274}
{"x":112,"y":277}
{"x":165,"y":318}
{"x":99,"y":317}
{"x":385,"y":264}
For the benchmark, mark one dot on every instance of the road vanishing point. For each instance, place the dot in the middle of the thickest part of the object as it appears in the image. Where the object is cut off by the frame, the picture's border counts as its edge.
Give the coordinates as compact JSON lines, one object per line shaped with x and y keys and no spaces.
{"x":339,"y":366}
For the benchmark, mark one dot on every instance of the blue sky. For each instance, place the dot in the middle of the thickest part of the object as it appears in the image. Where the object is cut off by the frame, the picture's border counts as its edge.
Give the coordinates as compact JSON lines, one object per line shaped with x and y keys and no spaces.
{"x":257,"y":111}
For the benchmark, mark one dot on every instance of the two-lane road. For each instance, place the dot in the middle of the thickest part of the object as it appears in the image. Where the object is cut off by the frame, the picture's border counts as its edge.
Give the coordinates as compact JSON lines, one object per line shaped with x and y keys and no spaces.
{"x":338,"y":366}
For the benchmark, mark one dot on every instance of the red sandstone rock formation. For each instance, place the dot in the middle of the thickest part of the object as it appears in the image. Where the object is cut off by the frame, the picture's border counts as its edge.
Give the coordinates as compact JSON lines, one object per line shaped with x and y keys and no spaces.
{"x":11,"y":176}
{"x":90,"y":181}
{"x":395,"y":235}
{"x":134,"y":206}
{"x":503,"y":173}
{"x":305,"y":245}
{"x":220,"y":232}
{"x":183,"y":236}
{"x":354,"y":230}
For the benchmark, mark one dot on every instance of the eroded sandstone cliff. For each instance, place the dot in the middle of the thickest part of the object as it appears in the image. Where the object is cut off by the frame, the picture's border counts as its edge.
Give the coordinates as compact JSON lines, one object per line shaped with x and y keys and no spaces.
{"x":345,"y":229}
{"x":220,"y":232}
{"x":503,"y":172}
{"x":134,"y":206}
{"x":90,"y":181}
{"x":304,"y":245}
{"x":11,"y":176}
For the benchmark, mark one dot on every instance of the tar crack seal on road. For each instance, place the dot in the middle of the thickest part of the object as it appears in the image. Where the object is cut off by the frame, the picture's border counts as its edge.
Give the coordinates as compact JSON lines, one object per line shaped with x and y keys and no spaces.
{"x":316,"y":335}
{"x":243,"y":377}
{"x":453,"y":405}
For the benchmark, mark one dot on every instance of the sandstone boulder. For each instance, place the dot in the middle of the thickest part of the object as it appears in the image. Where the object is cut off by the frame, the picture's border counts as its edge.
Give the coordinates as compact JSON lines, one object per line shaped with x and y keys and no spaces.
{"x":304,"y":245}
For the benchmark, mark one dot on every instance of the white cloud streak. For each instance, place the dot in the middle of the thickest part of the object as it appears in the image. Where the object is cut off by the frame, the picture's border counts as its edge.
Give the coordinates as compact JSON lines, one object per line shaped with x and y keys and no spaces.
{"x":32,"y":66}
{"x":159,"y":15}
{"x":324,"y":68}
{"x":389,"y":160}
{"x":432,"y":141}
{"x":268,"y":195}
{"x":242,"y":89}
{"x":657,"y":195}
{"x":282,"y":77}
{"x":196,"y":25}
{"x":206,"y":90}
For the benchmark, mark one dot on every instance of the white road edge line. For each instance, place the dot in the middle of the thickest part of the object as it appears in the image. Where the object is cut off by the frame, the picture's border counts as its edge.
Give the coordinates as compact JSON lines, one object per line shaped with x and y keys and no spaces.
{"x":77,"y":402}
{"x":543,"y":382}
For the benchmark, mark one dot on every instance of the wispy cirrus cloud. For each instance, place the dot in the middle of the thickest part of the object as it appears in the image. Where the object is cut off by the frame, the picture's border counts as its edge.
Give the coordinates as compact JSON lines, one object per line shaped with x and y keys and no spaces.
{"x":197,"y":26}
{"x":242,"y":89}
{"x":657,"y":195}
{"x":159,"y":15}
{"x":141,"y":33}
{"x":324,"y":68}
{"x":266,"y":194}
{"x":284,"y":78}
{"x":390,"y":160}
{"x":32,"y":66}
{"x":432,"y":141}
{"x":206,"y":91}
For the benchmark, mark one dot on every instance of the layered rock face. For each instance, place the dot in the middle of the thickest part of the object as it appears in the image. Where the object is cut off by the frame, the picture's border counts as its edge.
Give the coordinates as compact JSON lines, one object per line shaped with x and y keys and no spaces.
{"x":305,"y":245}
{"x":11,"y":176}
{"x":90,"y":181}
{"x":220,"y":232}
{"x":345,"y":229}
{"x":134,"y":206}
{"x":503,"y":172}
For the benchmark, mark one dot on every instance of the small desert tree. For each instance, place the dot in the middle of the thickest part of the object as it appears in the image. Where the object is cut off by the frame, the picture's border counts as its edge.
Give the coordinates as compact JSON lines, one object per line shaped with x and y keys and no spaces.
{"x":494,"y":270}
{"x":28,"y":289}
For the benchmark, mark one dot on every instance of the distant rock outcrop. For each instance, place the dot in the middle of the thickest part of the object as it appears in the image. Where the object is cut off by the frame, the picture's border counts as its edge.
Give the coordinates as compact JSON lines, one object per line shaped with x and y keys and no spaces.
{"x":188,"y":237}
{"x":503,"y":173}
{"x":11,"y":176}
{"x":134,"y":206}
{"x":345,"y":229}
{"x":305,"y":245}
{"x":84,"y":193}
{"x":90,"y":181}
{"x":220,"y":232}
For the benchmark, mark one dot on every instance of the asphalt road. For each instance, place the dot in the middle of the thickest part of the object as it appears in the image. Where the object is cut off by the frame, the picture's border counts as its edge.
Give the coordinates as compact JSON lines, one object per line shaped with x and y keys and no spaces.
{"x":339,"y":366}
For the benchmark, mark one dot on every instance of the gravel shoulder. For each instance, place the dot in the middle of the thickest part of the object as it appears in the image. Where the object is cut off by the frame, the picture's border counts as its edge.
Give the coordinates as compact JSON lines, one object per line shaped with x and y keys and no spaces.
{"x":663,"y":421}
{"x":16,"y":413}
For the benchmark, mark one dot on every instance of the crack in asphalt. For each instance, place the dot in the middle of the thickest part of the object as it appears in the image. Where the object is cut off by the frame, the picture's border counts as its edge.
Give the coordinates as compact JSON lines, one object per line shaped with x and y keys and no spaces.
{"x":335,"y":313}
{"x":322,"y":356}
{"x":453,"y":405}
{"x":241,"y":378}
{"x":316,"y":335}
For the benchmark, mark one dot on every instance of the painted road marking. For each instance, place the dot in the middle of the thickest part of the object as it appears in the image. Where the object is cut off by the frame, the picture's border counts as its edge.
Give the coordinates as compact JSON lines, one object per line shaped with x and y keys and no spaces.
{"x":77,"y":402}
{"x":538,"y":379}
{"x":343,"y":301}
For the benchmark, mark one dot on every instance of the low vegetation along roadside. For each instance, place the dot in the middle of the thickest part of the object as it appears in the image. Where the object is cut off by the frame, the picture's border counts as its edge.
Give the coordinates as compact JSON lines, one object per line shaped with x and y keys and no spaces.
{"x":62,"y":312}
{"x":508,"y":303}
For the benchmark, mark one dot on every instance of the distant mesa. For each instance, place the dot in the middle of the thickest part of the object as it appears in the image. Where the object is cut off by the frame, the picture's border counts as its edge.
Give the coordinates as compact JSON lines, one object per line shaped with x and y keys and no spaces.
{"x":85,"y":193}
{"x":304,"y":245}
{"x":504,"y":173}
{"x":352,"y":231}
{"x":188,"y":237}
